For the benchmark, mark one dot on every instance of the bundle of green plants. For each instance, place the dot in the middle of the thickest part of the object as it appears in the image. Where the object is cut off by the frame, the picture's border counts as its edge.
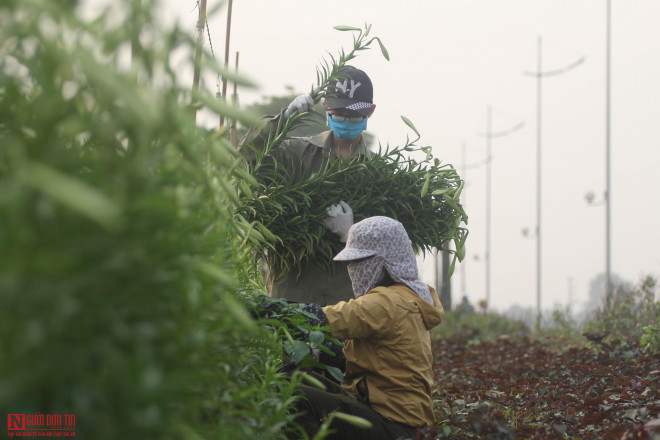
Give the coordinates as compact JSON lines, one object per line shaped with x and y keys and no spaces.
{"x":120,"y":262}
{"x":406,"y":183}
{"x":423,"y":196}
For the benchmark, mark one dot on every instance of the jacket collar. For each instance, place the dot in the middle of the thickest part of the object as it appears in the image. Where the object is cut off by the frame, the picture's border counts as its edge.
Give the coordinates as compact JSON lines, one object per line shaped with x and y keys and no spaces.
{"x":325,"y":142}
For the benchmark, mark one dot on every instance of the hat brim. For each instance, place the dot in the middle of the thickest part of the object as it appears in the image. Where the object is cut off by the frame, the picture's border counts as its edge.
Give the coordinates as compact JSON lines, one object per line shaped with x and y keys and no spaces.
{"x":350,"y":254}
{"x":334,"y":103}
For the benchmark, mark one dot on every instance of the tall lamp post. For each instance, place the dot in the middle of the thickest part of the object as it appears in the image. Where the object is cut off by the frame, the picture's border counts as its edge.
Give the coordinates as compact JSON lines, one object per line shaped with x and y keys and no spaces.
{"x":540,"y":74}
{"x":464,"y":170}
{"x":489,"y":135}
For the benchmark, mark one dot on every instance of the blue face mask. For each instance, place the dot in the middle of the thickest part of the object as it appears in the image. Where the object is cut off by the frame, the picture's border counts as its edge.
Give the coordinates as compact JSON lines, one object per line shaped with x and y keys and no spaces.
{"x":347,"y":130}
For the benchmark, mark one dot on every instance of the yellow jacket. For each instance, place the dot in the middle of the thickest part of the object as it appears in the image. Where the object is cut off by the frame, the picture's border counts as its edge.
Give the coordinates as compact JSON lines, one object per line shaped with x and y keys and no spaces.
{"x":389,"y":363}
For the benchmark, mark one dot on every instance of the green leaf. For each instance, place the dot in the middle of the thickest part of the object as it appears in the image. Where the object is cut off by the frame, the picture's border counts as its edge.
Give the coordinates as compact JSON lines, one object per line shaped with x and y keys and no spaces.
{"x":229,"y":73}
{"x":267,"y":234}
{"x":428,"y":151}
{"x":73,"y":193}
{"x":450,"y":272}
{"x":460,"y":253}
{"x":188,"y":433}
{"x":367,"y":28}
{"x":312,"y":380}
{"x":410,"y":124}
{"x":346,"y":28}
{"x":438,"y":192}
{"x":451,"y":202}
{"x":230,"y":111}
{"x":316,"y":337}
{"x":457,"y":195}
{"x":383,"y":50}
{"x":425,"y":187}
{"x":335,"y":373}
{"x":297,"y":350}
{"x":353,"y":420}
{"x":238,"y":313}
{"x":215,"y":272}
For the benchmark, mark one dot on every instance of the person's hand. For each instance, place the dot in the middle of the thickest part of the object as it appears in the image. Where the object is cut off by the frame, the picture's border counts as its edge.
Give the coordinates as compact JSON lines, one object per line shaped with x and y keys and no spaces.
{"x":301,"y":104}
{"x":340,"y":219}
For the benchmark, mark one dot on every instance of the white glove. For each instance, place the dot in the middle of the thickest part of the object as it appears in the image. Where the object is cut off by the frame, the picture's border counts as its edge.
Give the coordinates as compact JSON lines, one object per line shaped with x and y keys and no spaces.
{"x":340,"y":219}
{"x":301,"y":104}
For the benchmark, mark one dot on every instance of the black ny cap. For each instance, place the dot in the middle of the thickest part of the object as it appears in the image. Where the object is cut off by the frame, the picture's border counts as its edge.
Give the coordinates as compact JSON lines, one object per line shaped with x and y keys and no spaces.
{"x":352,"y":91}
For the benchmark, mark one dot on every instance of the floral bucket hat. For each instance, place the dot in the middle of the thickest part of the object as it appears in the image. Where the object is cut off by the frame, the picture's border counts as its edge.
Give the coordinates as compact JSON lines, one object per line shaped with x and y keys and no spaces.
{"x":379,"y":245}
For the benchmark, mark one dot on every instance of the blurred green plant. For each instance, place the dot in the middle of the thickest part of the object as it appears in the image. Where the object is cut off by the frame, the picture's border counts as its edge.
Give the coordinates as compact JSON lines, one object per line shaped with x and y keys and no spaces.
{"x":563,"y":333}
{"x":651,"y":338}
{"x":120,"y":261}
{"x":476,"y":328}
{"x":626,"y":316}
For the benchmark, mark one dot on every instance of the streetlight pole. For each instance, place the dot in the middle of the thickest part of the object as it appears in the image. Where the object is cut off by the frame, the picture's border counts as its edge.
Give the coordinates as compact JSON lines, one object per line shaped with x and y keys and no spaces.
{"x":464,"y":170}
{"x":488,"y":195}
{"x":539,"y":68}
{"x":540,"y":74}
{"x":607,"y":199}
{"x":490,"y":134}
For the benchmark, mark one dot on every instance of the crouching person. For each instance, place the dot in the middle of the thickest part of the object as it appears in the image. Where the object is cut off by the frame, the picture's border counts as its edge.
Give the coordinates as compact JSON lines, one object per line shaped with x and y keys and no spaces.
{"x":389,"y":373}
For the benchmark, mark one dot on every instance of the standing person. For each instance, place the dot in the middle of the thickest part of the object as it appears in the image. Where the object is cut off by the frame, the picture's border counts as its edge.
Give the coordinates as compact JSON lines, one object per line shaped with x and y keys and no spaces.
{"x":348,"y":104}
{"x":465,"y":306}
{"x":389,"y":373}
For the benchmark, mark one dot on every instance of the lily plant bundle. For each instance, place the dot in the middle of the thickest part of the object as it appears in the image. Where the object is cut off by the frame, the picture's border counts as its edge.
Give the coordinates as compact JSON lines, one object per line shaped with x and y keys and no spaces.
{"x":423,"y":194}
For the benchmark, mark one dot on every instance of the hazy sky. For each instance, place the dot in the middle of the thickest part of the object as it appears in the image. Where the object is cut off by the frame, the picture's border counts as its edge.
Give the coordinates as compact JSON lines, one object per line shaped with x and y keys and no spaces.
{"x":450,"y":60}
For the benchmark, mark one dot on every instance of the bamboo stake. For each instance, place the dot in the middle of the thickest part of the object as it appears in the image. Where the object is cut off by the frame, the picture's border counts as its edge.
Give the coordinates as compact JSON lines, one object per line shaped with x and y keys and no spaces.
{"x":234,"y":101}
{"x":135,"y":42}
{"x":198,"y":52}
{"x":224,"y":80}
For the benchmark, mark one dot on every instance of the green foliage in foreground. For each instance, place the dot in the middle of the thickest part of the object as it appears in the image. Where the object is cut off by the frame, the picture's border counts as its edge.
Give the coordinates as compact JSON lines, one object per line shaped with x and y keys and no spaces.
{"x":119,"y":260}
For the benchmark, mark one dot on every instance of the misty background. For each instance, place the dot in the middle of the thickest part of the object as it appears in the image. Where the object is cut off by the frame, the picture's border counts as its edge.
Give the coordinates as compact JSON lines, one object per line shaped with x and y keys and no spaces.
{"x":452,"y":60}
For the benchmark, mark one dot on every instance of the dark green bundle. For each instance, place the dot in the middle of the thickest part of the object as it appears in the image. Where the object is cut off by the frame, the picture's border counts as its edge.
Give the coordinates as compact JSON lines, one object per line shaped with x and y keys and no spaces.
{"x":424,"y":196}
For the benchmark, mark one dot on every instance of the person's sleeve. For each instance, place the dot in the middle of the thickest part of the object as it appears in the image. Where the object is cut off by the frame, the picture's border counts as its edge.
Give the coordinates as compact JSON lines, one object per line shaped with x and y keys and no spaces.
{"x":369,"y":316}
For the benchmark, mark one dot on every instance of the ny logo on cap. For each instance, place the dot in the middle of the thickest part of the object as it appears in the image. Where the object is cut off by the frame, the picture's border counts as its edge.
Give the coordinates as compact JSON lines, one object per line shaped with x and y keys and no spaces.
{"x":344,"y":86}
